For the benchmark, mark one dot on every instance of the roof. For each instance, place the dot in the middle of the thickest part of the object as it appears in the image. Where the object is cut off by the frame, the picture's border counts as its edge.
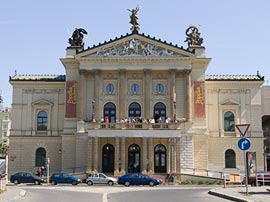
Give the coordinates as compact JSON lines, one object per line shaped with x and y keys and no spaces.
{"x":234,"y":78}
{"x":55,"y":78}
{"x":142,"y":35}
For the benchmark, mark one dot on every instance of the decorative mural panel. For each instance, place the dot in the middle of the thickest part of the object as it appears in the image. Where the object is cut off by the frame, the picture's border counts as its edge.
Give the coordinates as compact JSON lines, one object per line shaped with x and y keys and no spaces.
{"x":199,"y":99}
{"x":71,"y":99}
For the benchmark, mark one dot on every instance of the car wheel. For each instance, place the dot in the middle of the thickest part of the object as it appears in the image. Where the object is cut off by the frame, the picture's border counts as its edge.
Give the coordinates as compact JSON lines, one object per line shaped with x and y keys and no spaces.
{"x":16,"y":182}
{"x":151,"y":183}
{"x":53,"y":183}
{"x":127,"y":183}
{"x":74,"y":183}
{"x":36,"y":182}
{"x":90,"y":182}
{"x":110,"y":183}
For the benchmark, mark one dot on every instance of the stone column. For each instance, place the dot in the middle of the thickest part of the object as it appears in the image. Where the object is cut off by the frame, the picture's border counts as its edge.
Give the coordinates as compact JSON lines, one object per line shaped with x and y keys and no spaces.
{"x":123,"y":155}
{"x":189,"y":105}
{"x":150,"y":155}
{"x":178,"y":155}
{"x":172,"y":93}
{"x":147,"y":93}
{"x":116,"y":157}
{"x":144,"y":155}
{"x":82,"y":96}
{"x":122,"y":94}
{"x":169,"y":156}
{"x":95,"y":152}
{"x":90,"y":155}
{"x":96,"y":93}
{"x":173,"y":154}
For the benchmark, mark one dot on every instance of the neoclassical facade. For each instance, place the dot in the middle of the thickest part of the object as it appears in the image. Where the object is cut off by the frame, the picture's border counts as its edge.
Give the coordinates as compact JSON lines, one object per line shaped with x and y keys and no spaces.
{"x":134,"y":104}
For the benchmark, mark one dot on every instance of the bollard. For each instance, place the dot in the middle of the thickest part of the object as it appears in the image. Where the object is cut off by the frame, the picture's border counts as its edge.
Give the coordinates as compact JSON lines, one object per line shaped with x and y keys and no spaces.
{"x":224,"y":179}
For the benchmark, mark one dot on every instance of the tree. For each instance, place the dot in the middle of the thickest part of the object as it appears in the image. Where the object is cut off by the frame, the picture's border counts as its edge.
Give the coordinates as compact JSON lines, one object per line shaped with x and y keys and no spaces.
{"x":3,"y":149}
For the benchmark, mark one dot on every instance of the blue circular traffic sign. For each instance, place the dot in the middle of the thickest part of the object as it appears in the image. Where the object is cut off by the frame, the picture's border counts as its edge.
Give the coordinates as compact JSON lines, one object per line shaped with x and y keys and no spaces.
{"x":244,"y":144}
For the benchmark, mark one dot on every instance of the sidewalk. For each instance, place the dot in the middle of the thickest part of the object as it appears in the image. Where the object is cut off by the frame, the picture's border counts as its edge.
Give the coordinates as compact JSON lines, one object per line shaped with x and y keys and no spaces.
{"x":238,"y":193}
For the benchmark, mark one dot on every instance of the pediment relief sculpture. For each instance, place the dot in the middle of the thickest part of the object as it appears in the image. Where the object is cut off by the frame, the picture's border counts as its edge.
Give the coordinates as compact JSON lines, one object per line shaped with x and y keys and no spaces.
{"x":135,"y":47}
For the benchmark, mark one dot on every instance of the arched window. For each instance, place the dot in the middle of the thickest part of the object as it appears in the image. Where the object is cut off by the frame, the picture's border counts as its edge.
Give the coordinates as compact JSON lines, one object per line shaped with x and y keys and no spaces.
{"x":134,"y":110}
{"x":160,"y":158}
{"x":42,"y":120}
{"x":229,"y":122}
{"x":230,"y":159}
{"x":110,"y":112}
{"x":40,"y":157}
{"x":159,"y":112}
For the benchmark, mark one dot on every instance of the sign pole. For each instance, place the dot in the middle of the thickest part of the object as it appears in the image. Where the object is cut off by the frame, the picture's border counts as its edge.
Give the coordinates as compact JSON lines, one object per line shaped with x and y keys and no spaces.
{"x":246,"y":173}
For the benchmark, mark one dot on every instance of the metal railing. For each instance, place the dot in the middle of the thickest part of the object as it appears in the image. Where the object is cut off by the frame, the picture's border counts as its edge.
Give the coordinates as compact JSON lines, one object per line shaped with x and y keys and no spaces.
{"x":132,"y":126}
{"x":262,"y":178}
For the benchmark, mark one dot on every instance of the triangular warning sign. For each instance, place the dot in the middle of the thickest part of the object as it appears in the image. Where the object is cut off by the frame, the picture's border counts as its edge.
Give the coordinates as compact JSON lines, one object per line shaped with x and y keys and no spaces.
{"x":243,"y":128}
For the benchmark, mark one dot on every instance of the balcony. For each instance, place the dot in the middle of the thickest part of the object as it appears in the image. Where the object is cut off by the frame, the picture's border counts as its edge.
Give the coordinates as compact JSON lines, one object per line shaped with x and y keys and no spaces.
{"x":86,"y":126}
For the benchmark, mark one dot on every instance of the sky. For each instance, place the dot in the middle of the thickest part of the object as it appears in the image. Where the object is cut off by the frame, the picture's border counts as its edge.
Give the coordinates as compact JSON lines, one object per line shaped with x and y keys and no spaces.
{"x":34,"y":34}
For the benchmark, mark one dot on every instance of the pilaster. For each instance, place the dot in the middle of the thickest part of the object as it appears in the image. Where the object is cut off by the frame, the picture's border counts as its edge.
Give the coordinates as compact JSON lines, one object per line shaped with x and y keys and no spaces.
{"x":150,"y":155}
{"x":147,"y":91}
{"x":144,"y":156}
{"x":90,"y":155}
{"x":116,"y":157}
{"x":123,"y":155}
{"x":96,"y":152}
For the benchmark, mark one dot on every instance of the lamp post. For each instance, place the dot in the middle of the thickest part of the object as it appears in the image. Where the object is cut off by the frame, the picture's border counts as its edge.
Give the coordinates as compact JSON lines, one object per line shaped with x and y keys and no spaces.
{"x":93,"y":111}
{"x":174,"y":111}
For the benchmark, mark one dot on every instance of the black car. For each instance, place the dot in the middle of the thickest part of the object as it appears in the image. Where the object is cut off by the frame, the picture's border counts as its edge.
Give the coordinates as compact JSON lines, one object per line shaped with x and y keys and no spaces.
{"x":25,"y":177}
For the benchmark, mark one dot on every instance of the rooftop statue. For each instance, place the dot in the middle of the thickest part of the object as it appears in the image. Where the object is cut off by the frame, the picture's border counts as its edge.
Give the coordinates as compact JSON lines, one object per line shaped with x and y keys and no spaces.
{"x":134,"y":19}
{"x":193,"y":36}
{"x":77,"y":37}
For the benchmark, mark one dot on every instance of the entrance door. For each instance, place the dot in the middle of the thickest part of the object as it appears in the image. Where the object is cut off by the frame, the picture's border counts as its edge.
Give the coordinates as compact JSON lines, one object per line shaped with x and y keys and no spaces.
{"x":160,"y":159}
{"x":134,"y":161}
{"x":108,"y":159}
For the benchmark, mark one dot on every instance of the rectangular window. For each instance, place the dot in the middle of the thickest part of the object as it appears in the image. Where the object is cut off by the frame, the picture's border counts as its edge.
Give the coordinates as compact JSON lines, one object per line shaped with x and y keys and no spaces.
{"x":4,"y":133}
{"x":4,"y":125}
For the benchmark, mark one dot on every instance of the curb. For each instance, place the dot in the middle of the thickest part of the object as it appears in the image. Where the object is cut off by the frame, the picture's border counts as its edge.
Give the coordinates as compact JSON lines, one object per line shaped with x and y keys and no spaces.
{"x":232,"y":198}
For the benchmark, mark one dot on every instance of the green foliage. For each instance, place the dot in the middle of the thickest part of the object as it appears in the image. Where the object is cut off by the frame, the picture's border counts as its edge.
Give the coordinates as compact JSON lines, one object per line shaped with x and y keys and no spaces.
{"x":3,"y":149}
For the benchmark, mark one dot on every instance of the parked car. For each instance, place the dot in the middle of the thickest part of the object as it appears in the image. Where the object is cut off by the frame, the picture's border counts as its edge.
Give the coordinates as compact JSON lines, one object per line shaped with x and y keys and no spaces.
{"x":64,"y":178}
{"x":25,"y":177}
{"x":137,"y":179}
{"x":100,"y":178}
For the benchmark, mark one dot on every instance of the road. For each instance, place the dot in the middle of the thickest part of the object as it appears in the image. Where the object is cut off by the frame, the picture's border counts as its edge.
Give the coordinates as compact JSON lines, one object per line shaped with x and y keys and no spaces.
{"x":83,"y":193}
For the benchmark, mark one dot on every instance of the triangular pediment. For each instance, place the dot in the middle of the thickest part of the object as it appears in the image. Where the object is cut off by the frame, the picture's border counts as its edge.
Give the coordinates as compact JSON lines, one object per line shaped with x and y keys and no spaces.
{"x":42,"y":102}
{"x":135,"y":45}
{"x":229,"y":102}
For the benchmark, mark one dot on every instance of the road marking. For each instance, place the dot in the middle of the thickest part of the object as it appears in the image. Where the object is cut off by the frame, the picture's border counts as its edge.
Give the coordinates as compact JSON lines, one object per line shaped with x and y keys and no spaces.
{"x":104,"y":197}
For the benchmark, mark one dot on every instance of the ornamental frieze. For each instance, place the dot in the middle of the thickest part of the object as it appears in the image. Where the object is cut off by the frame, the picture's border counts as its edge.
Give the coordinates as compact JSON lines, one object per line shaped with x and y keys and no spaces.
{"x":135,"y":47}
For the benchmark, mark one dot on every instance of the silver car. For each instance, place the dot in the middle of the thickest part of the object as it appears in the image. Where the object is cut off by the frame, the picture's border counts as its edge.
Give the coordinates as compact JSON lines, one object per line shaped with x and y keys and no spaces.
{"x":100,"y":178}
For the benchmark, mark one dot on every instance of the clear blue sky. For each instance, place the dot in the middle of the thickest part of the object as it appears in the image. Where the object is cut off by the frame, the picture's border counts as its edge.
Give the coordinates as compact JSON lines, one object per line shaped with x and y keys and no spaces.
{"x":34,"y":34}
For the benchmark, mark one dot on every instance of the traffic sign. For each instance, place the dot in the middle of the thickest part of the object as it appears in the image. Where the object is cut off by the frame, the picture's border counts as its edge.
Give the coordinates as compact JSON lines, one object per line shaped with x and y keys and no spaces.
{"x":242,"y":128}
{"x":244,"y":144}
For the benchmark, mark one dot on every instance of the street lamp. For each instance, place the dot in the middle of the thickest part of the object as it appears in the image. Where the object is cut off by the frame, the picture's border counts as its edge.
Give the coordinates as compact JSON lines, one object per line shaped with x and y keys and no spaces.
{"x":174,"y":111}
{"x":93,"y":111}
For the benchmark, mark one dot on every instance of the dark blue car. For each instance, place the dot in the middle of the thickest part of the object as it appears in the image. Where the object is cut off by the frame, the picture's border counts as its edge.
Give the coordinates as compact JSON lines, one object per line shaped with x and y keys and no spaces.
{"x":64,"y":178}
{"x":25,"y":177}
{"x":137,"y":179}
